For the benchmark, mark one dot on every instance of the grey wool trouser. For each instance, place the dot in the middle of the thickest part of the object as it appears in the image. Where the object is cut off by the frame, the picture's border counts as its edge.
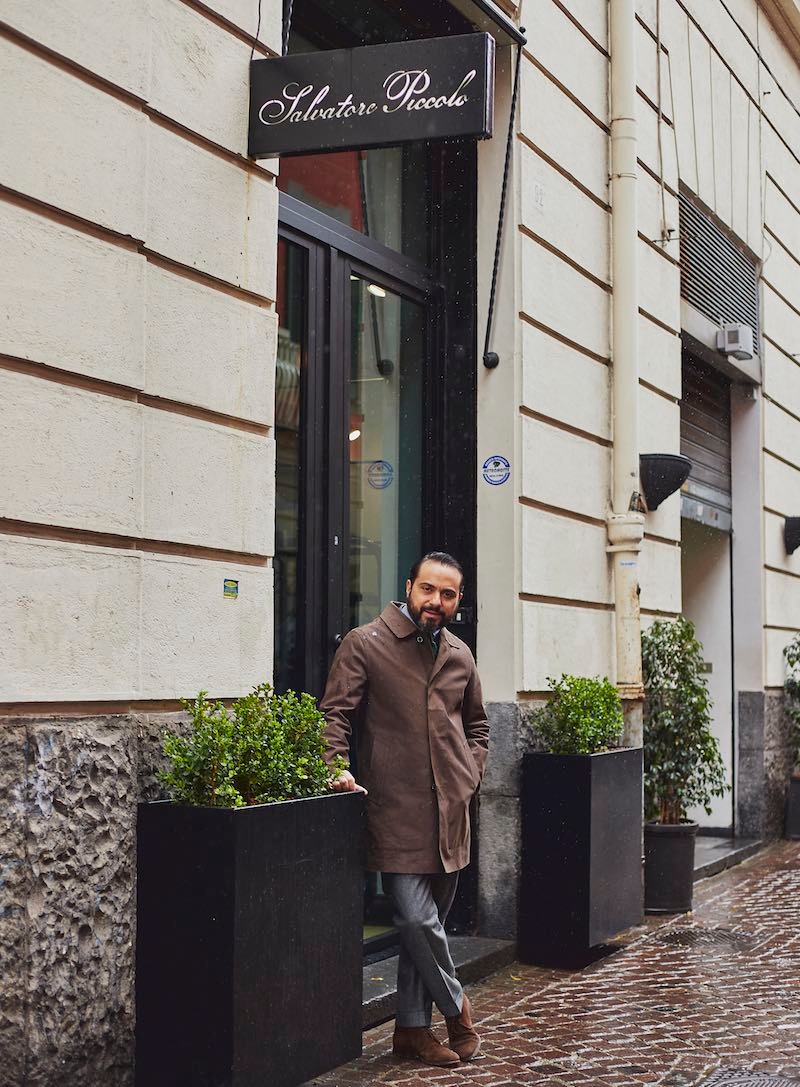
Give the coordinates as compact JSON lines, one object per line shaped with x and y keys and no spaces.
{"x":425,"y":970}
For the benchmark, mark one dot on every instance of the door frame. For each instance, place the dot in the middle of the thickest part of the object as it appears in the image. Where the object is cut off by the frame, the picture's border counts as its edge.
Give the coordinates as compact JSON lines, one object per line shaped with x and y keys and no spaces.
{"x":333,"y":251}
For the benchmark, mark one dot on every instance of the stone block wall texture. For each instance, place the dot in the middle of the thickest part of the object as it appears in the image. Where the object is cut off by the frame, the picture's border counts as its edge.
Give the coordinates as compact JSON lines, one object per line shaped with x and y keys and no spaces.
{"x":499,"y":828}
{"x":137,"y":290}
{"x":728,"y":136}
{"x":137,"y":345}
{"x":702,"y":134}
{"x":68,"y":794}
{"x":764,"y":764}
{"x":68,"y":901}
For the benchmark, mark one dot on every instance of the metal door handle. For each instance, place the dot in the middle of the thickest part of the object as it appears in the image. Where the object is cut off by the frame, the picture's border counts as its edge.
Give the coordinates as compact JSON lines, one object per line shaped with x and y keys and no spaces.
{"x":338,"y":639}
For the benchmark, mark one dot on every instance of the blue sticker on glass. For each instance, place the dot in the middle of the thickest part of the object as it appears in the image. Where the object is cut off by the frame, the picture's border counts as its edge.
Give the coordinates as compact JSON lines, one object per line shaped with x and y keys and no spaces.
{"x":496,"y":470}
{"x":380,"y":474}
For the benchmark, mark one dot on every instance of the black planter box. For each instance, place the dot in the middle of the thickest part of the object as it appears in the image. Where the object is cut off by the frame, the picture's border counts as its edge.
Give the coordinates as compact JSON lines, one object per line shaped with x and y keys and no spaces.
{"x":249,"y":942}
{"x":581,"y":879}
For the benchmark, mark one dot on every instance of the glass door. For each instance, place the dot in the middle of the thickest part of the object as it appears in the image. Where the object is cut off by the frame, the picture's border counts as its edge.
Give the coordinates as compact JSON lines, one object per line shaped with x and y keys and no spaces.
{"x":350,"y":410}
{"x":387,"y":352}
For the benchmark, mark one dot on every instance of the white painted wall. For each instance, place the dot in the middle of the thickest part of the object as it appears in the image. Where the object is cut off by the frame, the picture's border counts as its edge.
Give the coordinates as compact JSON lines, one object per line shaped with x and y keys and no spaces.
{"x":498,"y":512}
{"x":738,"y":149}
{"x":738,"y":146}
{"x":137,"y":278}
{"x":137,"y":266}
{"x":706,"y":569}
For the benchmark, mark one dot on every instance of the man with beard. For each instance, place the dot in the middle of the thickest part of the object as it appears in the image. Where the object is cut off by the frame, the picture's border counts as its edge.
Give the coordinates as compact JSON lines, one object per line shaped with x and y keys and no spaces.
{"x":422,"y":744}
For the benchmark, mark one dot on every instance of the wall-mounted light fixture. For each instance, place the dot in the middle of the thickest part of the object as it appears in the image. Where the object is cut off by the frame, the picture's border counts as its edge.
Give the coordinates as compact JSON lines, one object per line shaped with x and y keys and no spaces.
{"x":791,"y":534}
{"x":735,"y":339}
{"x":661,"y":474}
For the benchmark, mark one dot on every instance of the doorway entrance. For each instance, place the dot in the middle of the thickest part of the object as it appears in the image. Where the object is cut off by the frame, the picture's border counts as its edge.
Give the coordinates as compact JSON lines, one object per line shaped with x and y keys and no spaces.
{"x":375,"y":406}
{"x":376,"y":389}
{"x":352,"y":405}
{"x":375,"y":402}
{"x":706,"y":577}
{"x":706,"y":586}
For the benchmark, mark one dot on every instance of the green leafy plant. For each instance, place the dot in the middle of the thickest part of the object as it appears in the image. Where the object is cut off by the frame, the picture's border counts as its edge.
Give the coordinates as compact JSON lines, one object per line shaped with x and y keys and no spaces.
{"x":683,"y":766}
{"x":583,"y":716}
{"x":265,"y":747}
{"x":792,"y":688}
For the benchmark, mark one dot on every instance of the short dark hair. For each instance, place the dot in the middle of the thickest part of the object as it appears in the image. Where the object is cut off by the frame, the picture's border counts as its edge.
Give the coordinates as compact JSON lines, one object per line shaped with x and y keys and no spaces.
{"x":443,"y":559}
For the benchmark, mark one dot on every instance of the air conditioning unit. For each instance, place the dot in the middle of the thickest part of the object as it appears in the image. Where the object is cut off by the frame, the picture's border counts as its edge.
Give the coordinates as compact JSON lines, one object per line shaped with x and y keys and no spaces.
{"x":735,"y":339}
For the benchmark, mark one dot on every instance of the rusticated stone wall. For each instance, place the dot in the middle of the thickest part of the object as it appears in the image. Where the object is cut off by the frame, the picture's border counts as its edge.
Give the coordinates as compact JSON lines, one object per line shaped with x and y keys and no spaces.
{"x":499,"y":823}
{"x":68,"y":794}
{"x":764,"y":763}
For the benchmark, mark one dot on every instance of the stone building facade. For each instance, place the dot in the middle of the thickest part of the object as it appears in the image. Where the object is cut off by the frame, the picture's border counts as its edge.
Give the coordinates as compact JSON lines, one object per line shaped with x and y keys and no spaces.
{"x":155,"y":392}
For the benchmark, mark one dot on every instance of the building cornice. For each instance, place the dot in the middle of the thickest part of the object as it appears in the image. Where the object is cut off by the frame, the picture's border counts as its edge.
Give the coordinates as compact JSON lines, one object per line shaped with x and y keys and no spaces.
{"x":785,"y":17}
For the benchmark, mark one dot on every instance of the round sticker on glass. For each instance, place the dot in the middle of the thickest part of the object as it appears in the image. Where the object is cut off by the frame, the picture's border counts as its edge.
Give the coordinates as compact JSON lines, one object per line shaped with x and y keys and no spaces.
{"x":380,"y":474}
{"x":496,"y":470}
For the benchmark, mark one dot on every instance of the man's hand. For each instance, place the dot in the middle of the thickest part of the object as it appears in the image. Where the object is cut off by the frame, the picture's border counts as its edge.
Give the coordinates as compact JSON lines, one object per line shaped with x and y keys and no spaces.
{"x":346,"y":783}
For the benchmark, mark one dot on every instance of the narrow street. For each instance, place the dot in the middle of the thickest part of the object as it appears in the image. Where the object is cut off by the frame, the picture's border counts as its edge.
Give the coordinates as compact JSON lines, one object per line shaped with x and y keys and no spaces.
{"x":684,"y":1000}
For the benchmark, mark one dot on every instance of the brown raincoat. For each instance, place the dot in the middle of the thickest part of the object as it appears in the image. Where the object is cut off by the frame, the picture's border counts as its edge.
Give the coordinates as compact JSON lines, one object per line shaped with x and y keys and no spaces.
{"x":422,"y":740}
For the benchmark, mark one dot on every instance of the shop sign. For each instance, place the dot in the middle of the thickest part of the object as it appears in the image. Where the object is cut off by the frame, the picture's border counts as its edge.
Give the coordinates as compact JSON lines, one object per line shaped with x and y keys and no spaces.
{"x":373,"y":96}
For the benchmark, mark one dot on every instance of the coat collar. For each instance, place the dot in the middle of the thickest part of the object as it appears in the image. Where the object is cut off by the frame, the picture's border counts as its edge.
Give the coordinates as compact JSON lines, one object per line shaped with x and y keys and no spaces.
{"x":402,"y":627}
{"x":399,"y":624}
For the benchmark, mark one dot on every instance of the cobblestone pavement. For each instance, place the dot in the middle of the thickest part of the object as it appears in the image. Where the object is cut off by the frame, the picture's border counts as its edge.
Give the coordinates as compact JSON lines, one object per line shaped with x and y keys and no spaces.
{"x":683,"y":997}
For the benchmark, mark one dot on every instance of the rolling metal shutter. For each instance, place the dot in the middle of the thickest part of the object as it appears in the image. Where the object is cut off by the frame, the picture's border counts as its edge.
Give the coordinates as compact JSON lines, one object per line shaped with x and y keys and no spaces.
{"x":706,"y":441}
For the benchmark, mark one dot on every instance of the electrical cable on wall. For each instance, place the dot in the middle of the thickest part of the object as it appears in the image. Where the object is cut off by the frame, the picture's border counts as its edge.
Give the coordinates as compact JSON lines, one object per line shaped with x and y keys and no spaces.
{"x":490,"y":358}
{"x":762,"y":186}
{"x":258,"y":31}
{"x":665,"y":234}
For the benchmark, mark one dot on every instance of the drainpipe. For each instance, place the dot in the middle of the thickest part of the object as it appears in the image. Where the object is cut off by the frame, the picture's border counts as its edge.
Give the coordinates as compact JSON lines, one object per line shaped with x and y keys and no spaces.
{"x":625,"y":521}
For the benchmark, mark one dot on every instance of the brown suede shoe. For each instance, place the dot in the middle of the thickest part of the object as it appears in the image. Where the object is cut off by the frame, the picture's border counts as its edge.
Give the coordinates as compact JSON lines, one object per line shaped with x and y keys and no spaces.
{"x":463,"y":1037}
{"x":420,"y":1044}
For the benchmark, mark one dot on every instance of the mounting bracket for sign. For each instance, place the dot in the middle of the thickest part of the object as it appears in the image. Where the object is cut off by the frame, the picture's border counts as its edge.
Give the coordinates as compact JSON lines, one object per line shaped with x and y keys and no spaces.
{"x":287,"y":24}
{"x":490,"y":358}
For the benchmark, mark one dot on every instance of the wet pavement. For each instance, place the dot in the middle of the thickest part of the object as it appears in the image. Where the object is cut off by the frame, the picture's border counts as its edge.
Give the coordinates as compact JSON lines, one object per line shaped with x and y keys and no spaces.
{"x":709,"y":995}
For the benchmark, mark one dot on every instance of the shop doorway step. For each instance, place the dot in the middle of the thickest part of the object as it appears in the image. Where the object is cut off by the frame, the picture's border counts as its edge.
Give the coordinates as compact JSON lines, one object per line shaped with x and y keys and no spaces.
{"x":713,"y":853}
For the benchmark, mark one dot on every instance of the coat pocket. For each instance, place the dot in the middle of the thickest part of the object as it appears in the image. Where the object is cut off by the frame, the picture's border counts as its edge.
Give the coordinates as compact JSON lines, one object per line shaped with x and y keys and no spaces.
{"x":471,"y":764}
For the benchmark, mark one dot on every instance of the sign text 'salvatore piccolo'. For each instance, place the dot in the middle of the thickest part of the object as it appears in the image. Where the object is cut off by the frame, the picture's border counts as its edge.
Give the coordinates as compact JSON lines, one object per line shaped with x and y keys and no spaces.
{"x":373,"y":96}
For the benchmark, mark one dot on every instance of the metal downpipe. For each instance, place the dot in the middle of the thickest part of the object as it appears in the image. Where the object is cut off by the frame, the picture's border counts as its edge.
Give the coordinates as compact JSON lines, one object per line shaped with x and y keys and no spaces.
{"x":625,"y":522}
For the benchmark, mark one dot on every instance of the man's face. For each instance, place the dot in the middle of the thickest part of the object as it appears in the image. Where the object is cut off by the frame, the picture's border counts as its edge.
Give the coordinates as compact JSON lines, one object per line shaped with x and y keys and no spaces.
{"x":434,"y":596}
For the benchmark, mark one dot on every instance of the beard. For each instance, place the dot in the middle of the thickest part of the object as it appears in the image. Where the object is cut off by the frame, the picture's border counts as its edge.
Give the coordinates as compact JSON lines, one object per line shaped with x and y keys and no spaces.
{"x":427,"y":623}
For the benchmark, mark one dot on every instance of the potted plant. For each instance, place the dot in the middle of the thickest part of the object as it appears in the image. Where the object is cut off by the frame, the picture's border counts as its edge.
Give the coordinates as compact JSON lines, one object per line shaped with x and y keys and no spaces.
{"x":581,"y":818}
{"x":249,"y":902}
{"x":683,"y":767}
{"x":791,"y":687}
